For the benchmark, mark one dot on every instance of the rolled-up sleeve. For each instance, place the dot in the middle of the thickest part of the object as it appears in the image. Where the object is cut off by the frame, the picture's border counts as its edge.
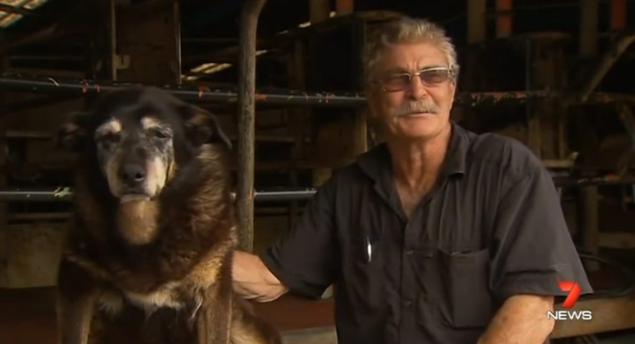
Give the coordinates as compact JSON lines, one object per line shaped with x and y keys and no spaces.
{"x":533,"y":250}
{"x":305,"y":259}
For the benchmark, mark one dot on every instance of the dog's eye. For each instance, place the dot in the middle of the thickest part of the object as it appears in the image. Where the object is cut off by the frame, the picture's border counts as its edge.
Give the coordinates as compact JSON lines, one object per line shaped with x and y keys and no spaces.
{"x":161,"y":134}
{"x":109,"y":138}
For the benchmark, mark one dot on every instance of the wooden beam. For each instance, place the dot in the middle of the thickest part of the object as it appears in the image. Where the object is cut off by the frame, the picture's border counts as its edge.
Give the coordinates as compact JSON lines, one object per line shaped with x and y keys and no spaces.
{"x":503,"y":18}
{"x":319,"y":10}
{"x":15,"y":10}
{"x":476,"y":21}
{"x":588,"y":27}
{"x":618,"y":15}
{"x":344,"y":6}
{"x":148,"y":42}
{"x":590,"y":221}
{"x":618,"y":240}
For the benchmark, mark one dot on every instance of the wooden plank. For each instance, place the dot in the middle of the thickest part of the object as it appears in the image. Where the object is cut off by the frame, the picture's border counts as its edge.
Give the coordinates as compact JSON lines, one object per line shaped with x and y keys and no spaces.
{"x":476,"y":21}
{"x":609,"y":314}
{"x":588,"y":27}
{"x":148,"y":42}
{"x":299,"y":117}
{"x":4,"y":249}
{"x":590,"y":221}
{"x":534,"y":134}
{"x":504,"y":18}
{"x":344,"y":6}
{"x":319,"y":10}
{"x":618,"y":15}
{"x":618,"y":240}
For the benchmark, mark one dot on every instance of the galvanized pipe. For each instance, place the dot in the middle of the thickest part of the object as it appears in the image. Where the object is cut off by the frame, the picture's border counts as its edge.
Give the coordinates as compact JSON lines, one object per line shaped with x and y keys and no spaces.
{"x":200,"y":94}
{"x":65,"y":194}
{"x":322,"y":99}
{"x":246,"y":121}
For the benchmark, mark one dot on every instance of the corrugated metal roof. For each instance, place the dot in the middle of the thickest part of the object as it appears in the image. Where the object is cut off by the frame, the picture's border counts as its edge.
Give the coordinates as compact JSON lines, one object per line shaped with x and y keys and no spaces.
{"x":7,"y":18}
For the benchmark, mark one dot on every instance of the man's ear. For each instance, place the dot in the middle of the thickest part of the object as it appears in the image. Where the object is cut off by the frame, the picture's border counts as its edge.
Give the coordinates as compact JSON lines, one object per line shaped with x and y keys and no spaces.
{"x":72,"y":134}
{"x":202,"y":127}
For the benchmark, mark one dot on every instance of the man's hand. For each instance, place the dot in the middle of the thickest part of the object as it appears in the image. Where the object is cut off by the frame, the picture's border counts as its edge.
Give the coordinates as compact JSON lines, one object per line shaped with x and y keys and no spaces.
{"x":521,"y":320}
{"x":252,"y":279}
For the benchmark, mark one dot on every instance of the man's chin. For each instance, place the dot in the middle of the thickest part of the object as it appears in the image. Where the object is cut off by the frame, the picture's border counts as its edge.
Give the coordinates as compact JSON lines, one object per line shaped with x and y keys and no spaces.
{"x":127,"y":198}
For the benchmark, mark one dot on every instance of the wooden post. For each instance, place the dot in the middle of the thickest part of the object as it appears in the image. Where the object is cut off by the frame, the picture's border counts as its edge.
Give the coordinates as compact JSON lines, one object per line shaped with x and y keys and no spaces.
{"x":476,"y":21}
{"x":246,"y":121}
{"x":148,"y":43}
{"x":618,"y":15}
{"x":4,"y":259}
{"x":299,"y":116}
{"x":546,"y":136}
{"x":344,"y":6}
{"x":588,"y":27}
{"x":319,"y":10}
{"x":503,"y":18}
{"x":590,"y":218}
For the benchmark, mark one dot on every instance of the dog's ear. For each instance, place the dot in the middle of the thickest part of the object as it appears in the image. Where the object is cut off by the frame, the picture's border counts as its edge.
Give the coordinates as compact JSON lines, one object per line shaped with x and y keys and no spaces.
{"x":203,"y":127}
{"x":72,"y":134}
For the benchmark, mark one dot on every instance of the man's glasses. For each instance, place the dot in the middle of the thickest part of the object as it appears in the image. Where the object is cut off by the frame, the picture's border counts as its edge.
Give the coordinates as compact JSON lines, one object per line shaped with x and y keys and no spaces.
{"x":430,"y":76}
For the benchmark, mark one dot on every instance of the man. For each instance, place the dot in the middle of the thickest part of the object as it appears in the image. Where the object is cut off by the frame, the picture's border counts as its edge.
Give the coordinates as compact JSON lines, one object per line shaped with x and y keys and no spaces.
{"x":437,"y":236}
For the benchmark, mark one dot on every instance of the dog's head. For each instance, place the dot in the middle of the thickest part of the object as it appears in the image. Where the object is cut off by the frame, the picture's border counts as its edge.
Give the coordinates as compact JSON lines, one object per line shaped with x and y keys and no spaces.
{"x":137,"y":137}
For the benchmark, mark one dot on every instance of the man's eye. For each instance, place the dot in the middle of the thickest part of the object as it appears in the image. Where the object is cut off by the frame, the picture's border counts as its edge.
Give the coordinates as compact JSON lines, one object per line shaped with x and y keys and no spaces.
{"x":435,"y":76}
{"x":161,"y":134}
{"x":396,"y":81}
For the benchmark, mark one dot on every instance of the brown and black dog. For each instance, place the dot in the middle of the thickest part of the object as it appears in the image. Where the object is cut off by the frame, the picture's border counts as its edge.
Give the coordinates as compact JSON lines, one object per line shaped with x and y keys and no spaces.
{"x":148,"y":255}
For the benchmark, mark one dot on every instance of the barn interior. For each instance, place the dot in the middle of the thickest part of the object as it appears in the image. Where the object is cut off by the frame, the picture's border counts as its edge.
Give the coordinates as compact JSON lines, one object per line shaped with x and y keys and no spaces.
{"x":552,"y":74}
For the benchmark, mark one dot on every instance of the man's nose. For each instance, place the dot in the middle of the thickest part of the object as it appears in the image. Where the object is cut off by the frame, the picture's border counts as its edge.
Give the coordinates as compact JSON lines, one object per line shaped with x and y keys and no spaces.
{"x":417,"y":88}
{"x":133,"y":174}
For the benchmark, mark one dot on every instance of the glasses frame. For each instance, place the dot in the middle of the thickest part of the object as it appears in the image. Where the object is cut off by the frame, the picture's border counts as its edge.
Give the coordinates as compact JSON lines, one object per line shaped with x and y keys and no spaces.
{"x":450,"y":70}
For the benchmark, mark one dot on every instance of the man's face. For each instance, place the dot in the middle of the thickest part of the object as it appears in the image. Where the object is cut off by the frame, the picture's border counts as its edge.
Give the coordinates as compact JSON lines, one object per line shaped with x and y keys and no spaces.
{"x":412,"y":108}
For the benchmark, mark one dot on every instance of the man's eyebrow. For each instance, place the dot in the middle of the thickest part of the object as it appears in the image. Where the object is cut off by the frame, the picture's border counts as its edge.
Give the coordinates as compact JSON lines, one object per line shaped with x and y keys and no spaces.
{"x":397,"y":70}
{"x":433,"y":67}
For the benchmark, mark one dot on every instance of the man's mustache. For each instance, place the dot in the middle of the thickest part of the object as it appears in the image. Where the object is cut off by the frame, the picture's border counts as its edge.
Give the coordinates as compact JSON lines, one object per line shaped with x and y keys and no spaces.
{"x":416,"y":107}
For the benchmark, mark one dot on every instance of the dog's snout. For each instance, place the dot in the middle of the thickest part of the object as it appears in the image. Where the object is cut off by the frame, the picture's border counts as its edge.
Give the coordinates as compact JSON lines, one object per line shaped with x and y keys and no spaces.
{"x":133,"y":174}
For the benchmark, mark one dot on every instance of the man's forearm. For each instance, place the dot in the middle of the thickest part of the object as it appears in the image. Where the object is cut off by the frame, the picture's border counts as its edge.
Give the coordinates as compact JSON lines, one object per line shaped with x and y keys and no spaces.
{"x":252,"y":279}
{"x":521,"y":320}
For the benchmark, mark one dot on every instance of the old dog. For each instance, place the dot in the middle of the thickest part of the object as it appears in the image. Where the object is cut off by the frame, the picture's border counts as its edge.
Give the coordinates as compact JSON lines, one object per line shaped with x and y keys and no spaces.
{"x":148,"y":255}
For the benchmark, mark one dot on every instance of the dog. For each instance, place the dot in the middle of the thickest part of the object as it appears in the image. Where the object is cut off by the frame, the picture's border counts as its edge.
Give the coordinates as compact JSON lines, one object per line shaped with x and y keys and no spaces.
{"x":148,"y":255}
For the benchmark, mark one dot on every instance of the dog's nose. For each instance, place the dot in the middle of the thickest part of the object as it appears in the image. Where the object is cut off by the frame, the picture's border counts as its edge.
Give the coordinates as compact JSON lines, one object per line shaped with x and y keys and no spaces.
{"x":133,"y":174}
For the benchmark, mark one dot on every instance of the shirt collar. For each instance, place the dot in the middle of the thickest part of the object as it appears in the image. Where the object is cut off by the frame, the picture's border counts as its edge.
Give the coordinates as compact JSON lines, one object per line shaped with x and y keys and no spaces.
{"x":377,"y":165}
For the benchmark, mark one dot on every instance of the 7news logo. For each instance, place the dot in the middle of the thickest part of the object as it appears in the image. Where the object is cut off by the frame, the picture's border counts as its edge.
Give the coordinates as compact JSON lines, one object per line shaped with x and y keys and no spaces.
{"x":567,"y":313}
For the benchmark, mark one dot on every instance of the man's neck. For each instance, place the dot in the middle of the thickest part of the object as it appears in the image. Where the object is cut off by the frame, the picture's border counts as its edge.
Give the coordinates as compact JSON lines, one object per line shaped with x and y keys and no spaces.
{"x":416,"y":164}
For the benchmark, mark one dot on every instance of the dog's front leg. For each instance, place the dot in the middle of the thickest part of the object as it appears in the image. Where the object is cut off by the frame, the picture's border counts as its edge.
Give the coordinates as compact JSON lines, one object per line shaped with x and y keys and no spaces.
{"x":77,"y":292}
{"x":215,"y":314}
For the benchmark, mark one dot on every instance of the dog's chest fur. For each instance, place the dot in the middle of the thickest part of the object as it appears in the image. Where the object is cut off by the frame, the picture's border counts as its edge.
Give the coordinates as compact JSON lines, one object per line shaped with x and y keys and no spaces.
{"x":175,"y":294}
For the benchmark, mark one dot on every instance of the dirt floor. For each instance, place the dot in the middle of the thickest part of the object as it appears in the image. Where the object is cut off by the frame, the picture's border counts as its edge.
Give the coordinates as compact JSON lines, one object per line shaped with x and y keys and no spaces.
{"x":27,"y":316}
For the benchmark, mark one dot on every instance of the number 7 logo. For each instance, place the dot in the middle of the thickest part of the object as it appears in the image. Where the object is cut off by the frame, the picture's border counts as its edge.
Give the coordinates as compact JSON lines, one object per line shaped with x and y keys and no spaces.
{"x":574,"y":291}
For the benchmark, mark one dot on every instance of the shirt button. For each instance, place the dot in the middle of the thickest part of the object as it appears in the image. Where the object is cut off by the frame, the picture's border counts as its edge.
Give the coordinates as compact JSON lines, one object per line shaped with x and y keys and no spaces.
{"x":409,"y":252}
{"x":407,"y":303}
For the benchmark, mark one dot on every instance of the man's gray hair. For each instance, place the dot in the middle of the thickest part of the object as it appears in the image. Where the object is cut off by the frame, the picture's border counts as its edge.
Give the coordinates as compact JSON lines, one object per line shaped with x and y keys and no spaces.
{"x":407,"y":30}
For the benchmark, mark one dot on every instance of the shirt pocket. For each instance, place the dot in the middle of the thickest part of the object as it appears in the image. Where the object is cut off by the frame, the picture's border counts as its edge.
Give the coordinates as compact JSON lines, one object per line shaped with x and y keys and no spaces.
{"x":465,"y":280}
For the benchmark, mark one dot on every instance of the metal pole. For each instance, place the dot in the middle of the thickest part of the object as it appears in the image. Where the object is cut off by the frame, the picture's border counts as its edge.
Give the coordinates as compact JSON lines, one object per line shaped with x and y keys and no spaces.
{"x":200,"y":94}
{"x":65,"y":194}
{"x":246,"y":121}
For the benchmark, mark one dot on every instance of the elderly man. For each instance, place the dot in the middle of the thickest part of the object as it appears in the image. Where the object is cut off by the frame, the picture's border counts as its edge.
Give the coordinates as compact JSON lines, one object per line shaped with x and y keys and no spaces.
{"x":438,"y":235}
